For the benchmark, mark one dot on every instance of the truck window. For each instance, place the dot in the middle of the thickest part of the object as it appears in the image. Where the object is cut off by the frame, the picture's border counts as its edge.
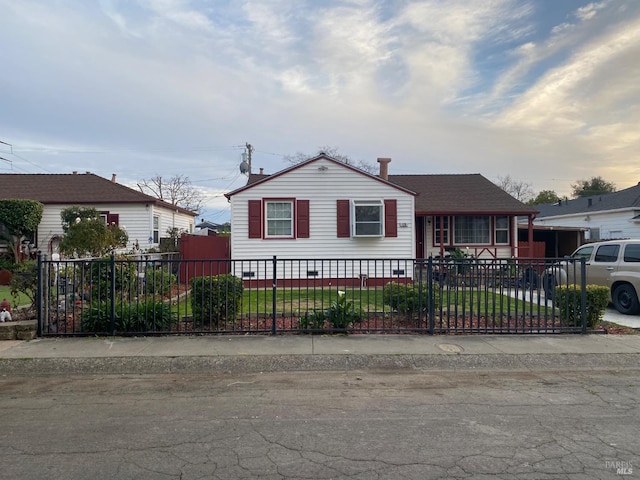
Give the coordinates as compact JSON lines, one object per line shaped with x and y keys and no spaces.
{"x":607,"y":253}
{"x":632,"y":253}
{"x":583,"y":252}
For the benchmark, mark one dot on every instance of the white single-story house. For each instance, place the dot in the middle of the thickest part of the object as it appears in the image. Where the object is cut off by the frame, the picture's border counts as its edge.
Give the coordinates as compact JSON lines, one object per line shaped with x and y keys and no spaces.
{"x":145,"y":218}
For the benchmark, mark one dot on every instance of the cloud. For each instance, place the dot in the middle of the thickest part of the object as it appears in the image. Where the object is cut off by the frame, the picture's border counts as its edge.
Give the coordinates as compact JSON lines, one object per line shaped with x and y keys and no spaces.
{"x":494,"y":87}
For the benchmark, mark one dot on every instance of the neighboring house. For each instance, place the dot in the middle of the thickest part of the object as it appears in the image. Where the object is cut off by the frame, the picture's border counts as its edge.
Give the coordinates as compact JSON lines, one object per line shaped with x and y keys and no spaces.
{"x":145,"y":219}
{"x":323,"y":208}
{"x":602,"y":217}
{"x":207,"y":228}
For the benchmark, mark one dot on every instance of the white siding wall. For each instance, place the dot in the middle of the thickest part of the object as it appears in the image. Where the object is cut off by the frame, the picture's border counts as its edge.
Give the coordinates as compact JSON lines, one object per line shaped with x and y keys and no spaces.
{"x":322,"y":189}
{"x":169,"y":219}
{"x":612,"y":224}
{"x":135,"y":218}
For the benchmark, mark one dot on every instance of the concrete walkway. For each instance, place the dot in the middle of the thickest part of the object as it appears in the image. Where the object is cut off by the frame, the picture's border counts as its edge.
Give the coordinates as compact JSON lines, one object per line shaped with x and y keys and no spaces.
{"x":612,"y":315}
{"x":202,"y":354}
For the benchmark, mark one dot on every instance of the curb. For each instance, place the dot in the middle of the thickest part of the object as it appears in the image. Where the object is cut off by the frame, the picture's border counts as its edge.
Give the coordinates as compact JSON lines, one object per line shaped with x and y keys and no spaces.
{"x":300,"y":363}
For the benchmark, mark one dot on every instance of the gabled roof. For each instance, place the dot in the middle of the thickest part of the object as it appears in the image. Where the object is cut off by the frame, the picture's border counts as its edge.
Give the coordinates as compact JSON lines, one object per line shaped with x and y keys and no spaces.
{"x":460,"y":194}
{"x":627,"y":198}
{"x":256,"y":179}
{"x":74,"y":189}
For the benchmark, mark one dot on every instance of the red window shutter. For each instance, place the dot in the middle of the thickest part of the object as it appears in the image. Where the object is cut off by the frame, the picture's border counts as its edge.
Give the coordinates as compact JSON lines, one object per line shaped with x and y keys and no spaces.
{"x":390,"y":218}
{"x":113,"y":219}
{"x":344,"y":230}
{"x":302,"y":218}
{"x":255,"y":219}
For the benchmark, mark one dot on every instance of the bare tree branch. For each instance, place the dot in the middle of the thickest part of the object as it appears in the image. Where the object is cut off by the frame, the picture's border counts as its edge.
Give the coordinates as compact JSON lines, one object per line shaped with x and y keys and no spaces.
{"x":520,"y":190}
{"x":332,"y":152}
{"x":177,"y":191}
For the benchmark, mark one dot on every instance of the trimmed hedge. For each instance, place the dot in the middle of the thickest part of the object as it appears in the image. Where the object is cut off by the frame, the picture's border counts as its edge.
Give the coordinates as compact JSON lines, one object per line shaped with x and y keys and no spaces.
{"x":567,"y":300}
{"x":216,"y":298}
{"x":159,"y":280}
{"x":410,"y":297}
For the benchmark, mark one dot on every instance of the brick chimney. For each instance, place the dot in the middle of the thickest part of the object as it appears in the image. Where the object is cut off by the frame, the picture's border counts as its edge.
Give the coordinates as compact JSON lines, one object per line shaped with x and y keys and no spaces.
{"x":113,"y":177}
{"x":384,"y":168}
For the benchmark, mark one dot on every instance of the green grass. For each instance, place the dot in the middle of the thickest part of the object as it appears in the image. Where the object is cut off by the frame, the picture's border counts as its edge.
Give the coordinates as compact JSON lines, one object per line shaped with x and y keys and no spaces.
{"x":300,"y":301}
{"x":5,"y":292}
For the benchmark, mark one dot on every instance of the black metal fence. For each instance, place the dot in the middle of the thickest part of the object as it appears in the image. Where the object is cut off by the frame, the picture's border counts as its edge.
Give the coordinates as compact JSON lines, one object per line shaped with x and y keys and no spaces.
{"x":120,"y":296}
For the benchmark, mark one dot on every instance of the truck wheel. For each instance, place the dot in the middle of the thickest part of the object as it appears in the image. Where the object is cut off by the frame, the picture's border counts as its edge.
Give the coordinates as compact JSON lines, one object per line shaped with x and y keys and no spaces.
{"x":625,"y":299}
{"x":549,"y":286}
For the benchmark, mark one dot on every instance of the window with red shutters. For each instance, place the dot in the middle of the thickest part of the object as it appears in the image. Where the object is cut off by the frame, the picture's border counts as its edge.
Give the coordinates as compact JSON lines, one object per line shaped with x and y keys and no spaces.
{"x":113,"y":219}
{"x":255,"y":218}
{"x":343,"y":223}
{"x":302,"y":219}
{"x":390,"y":218}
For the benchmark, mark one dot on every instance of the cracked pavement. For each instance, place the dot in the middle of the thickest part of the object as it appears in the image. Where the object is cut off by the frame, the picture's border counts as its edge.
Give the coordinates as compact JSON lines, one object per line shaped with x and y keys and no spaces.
{"x":368,"y":424}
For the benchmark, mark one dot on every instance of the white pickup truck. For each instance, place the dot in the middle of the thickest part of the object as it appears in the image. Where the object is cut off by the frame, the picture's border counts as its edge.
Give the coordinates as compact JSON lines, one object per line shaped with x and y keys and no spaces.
{"x":614,"y":264}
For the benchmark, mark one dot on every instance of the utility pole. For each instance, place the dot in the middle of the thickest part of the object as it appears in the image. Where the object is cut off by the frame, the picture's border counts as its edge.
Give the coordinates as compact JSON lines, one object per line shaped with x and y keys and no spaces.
{"x":249,"y":151}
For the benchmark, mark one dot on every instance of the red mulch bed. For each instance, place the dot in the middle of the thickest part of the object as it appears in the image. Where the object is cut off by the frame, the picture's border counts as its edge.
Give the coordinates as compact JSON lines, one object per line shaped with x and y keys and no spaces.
{"x":390,"y":324}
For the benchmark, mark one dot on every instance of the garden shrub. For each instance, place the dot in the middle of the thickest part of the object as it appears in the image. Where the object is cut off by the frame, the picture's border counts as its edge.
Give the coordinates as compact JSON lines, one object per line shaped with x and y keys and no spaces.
{"x":567,"y":300}
{"x":216,"y":298}
{"x":341,"y":314}
{"x":129,"y":317}
{"x":410,"y":297}
{"x":7,"y":263}
{"x":159,"y":280}
{"x":25,"y":281}
{"x":312,"y":321}
{"x":100,"y":278}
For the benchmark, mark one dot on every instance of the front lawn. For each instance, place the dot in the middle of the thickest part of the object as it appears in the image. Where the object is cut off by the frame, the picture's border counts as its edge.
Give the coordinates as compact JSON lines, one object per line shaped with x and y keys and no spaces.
{"x":294,"y":301}
{"x":5,"y":292}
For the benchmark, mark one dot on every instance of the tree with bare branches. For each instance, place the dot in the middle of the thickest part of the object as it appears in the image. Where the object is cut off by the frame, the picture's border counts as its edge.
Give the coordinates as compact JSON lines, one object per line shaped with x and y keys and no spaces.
{"x":332,"y":152}
{"x":177,"y":190}
{"x":518,"y":189}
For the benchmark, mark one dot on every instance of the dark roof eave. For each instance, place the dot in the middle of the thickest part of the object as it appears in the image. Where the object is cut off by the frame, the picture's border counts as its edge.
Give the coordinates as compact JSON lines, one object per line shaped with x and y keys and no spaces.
{"x":476,"y":212}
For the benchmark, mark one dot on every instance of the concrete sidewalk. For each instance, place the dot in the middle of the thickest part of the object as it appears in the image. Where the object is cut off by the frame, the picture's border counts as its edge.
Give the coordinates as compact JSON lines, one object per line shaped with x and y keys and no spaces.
{"x":206,"y":354}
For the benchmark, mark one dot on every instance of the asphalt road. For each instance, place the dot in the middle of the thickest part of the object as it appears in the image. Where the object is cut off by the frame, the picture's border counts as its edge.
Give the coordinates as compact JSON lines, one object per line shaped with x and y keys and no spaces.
{"x":322,"y":425}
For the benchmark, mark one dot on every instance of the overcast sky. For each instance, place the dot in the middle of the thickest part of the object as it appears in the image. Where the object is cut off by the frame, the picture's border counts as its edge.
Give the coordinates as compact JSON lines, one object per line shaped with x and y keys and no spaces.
{"x":545,"y":91}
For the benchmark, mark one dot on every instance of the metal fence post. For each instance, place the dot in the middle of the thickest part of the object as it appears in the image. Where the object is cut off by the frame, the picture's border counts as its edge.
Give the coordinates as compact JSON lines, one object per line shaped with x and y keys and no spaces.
{"x":39,"y":295}
{"x":421,"y":300}
{"x":112,"y":294}
{"x":274,"y":291}
{"x":583,"y":295}
{"x":432,"y":307}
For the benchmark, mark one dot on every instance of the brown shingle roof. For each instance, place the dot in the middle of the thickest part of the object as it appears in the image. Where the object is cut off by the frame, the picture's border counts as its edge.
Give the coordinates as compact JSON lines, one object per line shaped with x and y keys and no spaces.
{"x":73,"y":189}
{"x":461,"y":194}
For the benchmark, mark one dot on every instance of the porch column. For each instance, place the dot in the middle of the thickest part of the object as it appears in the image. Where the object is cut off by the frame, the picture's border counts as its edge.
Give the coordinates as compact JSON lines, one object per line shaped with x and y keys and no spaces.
{"x":530,"y":225}
{"x":440,"y":231}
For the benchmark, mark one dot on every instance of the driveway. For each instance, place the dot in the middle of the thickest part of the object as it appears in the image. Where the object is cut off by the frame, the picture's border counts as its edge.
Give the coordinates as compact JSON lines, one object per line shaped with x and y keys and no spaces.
{"x":612,"y":315}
